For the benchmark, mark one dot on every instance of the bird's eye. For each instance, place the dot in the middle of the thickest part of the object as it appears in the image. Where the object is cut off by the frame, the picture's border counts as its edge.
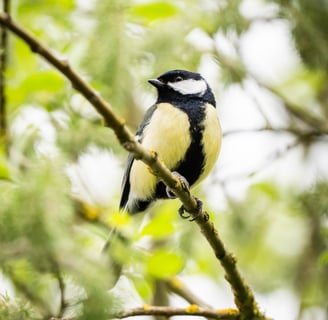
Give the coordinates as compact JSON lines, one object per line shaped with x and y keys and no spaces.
{"x":178,"y":78}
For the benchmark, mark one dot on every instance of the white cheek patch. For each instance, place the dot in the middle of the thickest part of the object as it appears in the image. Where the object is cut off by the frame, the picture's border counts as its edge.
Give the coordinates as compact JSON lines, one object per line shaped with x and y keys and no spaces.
{"x":190,"y":86}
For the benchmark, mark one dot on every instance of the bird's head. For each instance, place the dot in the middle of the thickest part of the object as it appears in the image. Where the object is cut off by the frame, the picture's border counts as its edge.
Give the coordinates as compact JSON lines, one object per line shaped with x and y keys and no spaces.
{"x":179,"y":84}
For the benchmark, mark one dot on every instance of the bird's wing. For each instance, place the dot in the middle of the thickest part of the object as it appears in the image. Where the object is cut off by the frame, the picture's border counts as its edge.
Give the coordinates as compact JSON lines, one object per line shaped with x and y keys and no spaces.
{"x":126,"y":178}
{"x":145,"y":121}
{"x":126,"y":182}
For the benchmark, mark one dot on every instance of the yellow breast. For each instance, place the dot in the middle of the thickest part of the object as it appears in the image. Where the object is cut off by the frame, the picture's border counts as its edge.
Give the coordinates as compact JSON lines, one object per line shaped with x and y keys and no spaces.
{"x":168,"y":139}
{"x":211,"y":140}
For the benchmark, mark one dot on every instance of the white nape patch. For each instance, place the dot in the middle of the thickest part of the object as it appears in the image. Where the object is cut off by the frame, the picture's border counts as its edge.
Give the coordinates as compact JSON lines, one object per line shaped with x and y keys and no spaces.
{"x":190,"y":86}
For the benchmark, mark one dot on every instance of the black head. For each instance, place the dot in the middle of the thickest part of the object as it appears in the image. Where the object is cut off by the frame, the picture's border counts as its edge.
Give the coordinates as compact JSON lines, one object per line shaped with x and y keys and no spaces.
{"x":180,"y":84}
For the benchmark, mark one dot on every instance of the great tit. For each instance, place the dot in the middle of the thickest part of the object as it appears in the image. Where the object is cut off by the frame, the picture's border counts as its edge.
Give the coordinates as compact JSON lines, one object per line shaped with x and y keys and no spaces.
{"x":182,"y":127}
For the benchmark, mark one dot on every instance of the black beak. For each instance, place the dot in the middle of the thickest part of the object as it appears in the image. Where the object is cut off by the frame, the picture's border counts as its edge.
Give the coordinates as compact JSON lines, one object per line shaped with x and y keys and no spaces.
{"x":156,"y":83}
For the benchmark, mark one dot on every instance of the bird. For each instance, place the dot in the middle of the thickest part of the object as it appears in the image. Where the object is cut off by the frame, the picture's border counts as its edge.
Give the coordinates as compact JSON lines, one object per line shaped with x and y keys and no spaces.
{"x":183,"y":129}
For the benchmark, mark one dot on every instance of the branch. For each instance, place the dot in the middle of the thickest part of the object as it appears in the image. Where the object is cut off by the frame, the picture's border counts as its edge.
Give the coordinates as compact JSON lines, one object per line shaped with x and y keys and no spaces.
{"x":268,"y":161}
{"x":317,"y":123}
{"x":192,"y":310}
{"x":320,"y":125}
{"x":3,"y":67}
{"x":292,"y":130}
{"x":125,"y":137}
{"x":116,"y":123}
{"x":62,"y":288}
{"x":244,"y":297}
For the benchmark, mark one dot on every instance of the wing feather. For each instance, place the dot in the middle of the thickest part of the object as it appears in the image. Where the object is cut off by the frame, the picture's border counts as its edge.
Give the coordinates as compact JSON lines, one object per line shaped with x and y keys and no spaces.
{"x":125,"y":193}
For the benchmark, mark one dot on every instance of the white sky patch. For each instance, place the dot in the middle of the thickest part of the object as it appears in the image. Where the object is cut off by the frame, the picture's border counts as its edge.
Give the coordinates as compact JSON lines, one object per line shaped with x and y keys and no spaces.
{"x":6,"y":287}
{"x":209,"y":69}
{"x":190,"y":86}
{"x":225,"y":43}
{"x":36,"y":118}
{"x":200,"y":40}
{"x":268,"y":52}
{"x":86,"y":5}
{"x":252,"y":9}
{"x":280,"y":304}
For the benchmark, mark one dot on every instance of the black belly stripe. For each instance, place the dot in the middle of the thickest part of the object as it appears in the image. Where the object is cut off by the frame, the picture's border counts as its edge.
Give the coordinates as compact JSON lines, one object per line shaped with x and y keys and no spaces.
{"x":193,"y":164}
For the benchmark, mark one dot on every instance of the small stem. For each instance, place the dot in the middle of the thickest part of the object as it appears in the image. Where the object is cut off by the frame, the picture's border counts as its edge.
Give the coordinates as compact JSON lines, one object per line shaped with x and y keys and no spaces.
{"x":178,"y":287}
{"x":3,"y":67}
{"x":189,"y":311}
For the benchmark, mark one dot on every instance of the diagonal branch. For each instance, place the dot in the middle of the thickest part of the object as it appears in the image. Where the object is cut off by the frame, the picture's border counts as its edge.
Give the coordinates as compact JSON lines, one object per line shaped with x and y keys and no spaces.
{"x":244,"y":297}
{"x":125,"y":137}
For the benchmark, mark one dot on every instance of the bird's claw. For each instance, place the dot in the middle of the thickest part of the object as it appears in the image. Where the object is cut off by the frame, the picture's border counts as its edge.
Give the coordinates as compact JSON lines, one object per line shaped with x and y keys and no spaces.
{"x":191,"y":217}
{"x":184,"y":185}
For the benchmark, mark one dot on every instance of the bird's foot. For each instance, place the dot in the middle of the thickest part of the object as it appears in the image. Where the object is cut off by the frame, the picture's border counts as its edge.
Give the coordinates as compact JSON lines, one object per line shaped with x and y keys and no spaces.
{"x":191,"y":217}
{"x":184,"y":184}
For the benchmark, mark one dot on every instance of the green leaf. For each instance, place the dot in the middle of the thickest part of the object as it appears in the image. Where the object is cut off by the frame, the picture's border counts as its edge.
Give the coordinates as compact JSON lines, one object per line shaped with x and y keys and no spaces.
{"x":302,"y":85}
{"x":49,"y":81}
{"x":4,"y":166}
{"x":161,"y":225}
{"x":28,"y":6}
{"x":163,"y":264}
{"x":323,"y":259}
{"x":150,"y":12}
{"x":266,"y":188}
{"x":37,"y":87}
{"x":143,"y":287}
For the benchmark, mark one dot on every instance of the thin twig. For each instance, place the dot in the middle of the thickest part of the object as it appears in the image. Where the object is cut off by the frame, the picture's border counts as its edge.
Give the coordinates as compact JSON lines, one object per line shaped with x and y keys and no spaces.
{"x":178,"y":287}
{"x":292,"y":129}
{"x":61,"y":285}
{"x":192,"y":310}
{"x":160,"y":296}
{"x":258,"y":105}
{"x":271,"y":158}
{"x":244,"y":297}
{"x":318,"y":124}
{"x":3,"y":67}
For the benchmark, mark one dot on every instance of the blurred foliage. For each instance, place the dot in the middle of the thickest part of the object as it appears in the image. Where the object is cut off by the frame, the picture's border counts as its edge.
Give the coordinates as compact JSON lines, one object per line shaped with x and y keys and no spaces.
{"x":310,"y":27}
{"x":50,"y":244}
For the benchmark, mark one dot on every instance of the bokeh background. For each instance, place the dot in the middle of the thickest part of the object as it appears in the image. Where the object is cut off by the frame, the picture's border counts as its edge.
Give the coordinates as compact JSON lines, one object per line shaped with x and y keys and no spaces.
{"x":61,"y":170}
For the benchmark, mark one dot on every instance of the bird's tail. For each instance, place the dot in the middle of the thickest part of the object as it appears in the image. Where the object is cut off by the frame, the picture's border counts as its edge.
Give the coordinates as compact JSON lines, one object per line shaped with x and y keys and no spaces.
{"x":113,"y":233}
